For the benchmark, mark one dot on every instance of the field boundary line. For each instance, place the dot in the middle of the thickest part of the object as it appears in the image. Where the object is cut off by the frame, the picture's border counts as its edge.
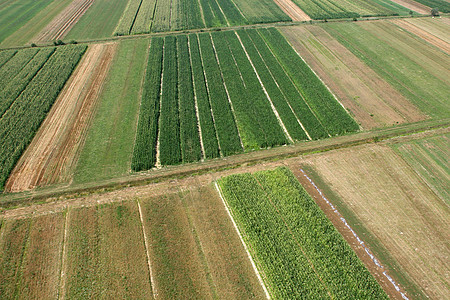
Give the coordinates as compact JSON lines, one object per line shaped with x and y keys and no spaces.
{"x":293,"y":237}
{"x":197,"y":114}
{"x":208,"y":93}
{"x":258,"y":275}
{"x":135,"y":17}
{"x":147,"y":251}
{"x":202,"y":14}
{"x":293,"y":83}
{"x":279,"y":88}
{"x":62,"y":278}
{"x":360,"y":241}
{"x":226,"y":90}
{"x":274,"y":110}
{"x":237,"y":7}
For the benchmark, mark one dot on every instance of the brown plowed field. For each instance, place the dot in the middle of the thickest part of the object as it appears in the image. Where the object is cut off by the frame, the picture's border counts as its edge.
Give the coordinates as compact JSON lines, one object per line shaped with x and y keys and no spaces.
{"x":371,"y":100}
{"x":292,"y":10}
{"x":424,"y":34}
{"x":414,"y":6}
{"x":53,"y":152}
{"x":60,"y":26}
{"x":396,"y":206}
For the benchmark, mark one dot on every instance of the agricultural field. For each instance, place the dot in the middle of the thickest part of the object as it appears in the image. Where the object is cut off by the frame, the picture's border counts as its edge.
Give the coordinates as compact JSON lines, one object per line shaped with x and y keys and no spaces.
{"x":419,"y":71}
{"x":15,"y":14}
{"x":179,"y":242}
{"x":110,"y":139}
{"x":30,"y":82}
{"x":337,"y":9}
{"x":144,"y":16}
{"x":429,"y":159}
{"x":206,"y":114}
{"x":53,"y":153}
{"x":300,"y":254}
{"x":369,"y":97}
{"x":387,"y":202}
{"x":441,"y":5}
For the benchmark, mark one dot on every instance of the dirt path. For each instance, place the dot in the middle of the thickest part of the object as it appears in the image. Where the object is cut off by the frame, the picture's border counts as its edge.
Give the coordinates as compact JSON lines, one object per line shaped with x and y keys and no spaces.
{"x":414,"y":6}
{"x":423,"y":34}
{"x":52,"y":154}
{"x":61,"y":25}
{"x":372,"y":101}
{"x":292,"y":10}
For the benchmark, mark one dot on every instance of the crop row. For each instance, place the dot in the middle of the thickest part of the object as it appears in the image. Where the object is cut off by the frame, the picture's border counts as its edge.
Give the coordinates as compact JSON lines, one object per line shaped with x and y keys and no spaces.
{"x":38,"y":85}
{"x":295,"y":246}
{"x":222,"y":93}
{"x":333,"y":117}
{"x":144,"y":16}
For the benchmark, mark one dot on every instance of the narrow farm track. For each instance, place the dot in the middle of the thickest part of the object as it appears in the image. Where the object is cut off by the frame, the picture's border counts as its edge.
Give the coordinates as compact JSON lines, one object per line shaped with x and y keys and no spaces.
{"x":54,"y":150}
{"x":292,"y":10}
{"x":423,"y":34}
{"x":414,"y":6}
{"x":61,"y":25}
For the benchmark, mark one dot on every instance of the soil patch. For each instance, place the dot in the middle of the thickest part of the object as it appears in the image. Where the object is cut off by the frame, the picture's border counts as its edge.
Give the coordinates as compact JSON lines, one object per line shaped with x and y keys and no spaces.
{"x":292,"y":10}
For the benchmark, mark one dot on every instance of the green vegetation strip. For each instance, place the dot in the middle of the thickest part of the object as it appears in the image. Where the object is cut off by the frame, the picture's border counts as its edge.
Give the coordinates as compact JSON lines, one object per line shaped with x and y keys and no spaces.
{"x":29,"y":108}
{"x":441,"y":5}
{"x":296,"y":247}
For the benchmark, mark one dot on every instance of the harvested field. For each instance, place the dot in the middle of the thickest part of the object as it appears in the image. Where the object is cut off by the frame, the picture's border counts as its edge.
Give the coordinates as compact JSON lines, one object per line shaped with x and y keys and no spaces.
{"x":53,"y":153}
{"x":371,"y":100}
{"x":396,"y":207}
{"x":426,"y":33}
{"x":195,"y":250}
{"x":30,"y":257}
{"x":429,"y":159}
{"x":63,"y":23}
{"x":414,"y":6}
{"x":292,"y":10}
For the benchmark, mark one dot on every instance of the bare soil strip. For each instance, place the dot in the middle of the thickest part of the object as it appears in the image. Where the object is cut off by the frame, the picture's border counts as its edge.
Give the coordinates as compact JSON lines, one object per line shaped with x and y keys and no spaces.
{"x":53,"y":153}
{"x":292,"y":10}
{"x":423,"y":34}
{"x":61,"y":25}
{"x":373,"y":101}
{"x":396,"y":206}
{"x":414,"y":6}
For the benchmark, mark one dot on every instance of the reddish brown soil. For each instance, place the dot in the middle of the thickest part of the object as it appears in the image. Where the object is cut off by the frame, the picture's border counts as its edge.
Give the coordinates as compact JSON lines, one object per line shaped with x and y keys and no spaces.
{"x":414,"y":6}
{"x":53,"y":152}
{"x":292,"y":10}
{"x":423,"y":34}
{"x":61,"y":25}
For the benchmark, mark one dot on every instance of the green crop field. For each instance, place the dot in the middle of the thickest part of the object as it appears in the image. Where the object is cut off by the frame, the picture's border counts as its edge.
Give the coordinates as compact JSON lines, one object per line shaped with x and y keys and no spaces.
{"x":145,"y":16}
{"x":417,"y":70}
{"x":295,"y":246}
{"x":31,"y":81}
{"x":429,"y":159}
{"x":441,"y":5}
{"x":14,"y":14}
{"x":99,"y":21}
{"x":109,"y":143}
{"x":248,"y":88}
{"x":336,"y":9}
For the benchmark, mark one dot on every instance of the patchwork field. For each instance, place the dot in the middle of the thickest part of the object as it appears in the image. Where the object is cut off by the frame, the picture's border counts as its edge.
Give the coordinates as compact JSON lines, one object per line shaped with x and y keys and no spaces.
{"x":30,"y":82}
{"x":403,"y":221}
{"x":181,"y":243}
{"x":296,"y":248}
{"x":253,"y":93}
{"x":370,"y":98}
{"x":54,"y":151}
{"x":417,"y":70}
